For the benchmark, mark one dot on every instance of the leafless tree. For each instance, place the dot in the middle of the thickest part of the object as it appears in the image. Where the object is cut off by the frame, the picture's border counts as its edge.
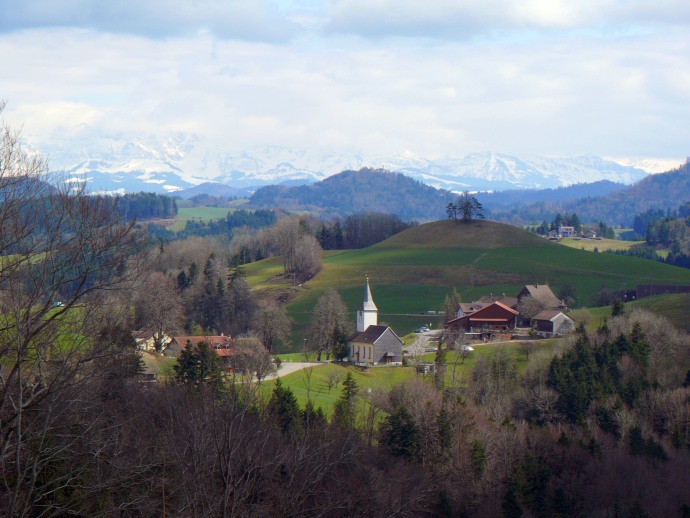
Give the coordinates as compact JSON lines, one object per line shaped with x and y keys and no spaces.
{"x":272,"y":325}
{"x":530,"y":307}
{"x":61,"y":251}
{"x":329,"y":326}
{"x":159,"y":308}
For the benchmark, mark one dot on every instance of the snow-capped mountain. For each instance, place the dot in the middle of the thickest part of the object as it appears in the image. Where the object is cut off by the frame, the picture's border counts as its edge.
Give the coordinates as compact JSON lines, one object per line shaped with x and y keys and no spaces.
{"x":112,"y":165}
{"x":182,"y":161}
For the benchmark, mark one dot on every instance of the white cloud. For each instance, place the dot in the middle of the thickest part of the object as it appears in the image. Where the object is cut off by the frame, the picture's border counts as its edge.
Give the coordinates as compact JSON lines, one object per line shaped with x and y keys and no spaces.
{"x":608,"y":92}
{"x":255,"y":20}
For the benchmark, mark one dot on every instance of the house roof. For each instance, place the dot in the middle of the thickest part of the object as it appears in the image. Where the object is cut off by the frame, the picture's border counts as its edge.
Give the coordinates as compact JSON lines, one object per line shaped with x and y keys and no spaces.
{"x":548,"y":314}
{"x":542,"y":292}
{"x":371,"y":334}
{"x":218,"y":343}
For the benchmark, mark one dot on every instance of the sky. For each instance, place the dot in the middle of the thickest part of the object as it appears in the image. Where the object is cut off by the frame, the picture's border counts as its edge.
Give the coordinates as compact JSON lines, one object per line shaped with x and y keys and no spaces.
{"x":436,"y":78}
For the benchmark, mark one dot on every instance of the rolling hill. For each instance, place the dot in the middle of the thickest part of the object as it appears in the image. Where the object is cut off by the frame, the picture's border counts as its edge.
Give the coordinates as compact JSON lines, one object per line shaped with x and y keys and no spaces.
{"x":373,"y":190}
{"x":413,"y":271}
{"x":659,"y":191}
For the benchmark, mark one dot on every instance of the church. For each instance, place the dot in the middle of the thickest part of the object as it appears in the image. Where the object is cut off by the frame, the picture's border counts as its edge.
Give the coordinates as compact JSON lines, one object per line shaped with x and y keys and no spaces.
{"x":372,"y":344}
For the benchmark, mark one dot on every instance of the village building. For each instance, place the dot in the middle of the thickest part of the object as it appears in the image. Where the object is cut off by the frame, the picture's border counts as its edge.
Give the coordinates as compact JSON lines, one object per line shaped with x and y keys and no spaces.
{"x":372,"y":344}
{"x":494,"y":318}
{"x":543,"y":293}
{"x":566,"y":231}
{"x":223,"y":345}
{"x":552,"y":322}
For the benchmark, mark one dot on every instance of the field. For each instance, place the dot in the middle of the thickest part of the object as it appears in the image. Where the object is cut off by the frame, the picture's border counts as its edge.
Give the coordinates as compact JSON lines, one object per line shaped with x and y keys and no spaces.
{"x":199,"y":213}
{"x":384,"y":378}
{"x":413,"y":271}
{"x":602,"y":245}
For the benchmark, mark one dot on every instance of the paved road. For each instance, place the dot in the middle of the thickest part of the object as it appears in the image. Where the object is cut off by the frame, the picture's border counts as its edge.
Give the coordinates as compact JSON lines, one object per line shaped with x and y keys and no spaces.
{"x":288,"y":368}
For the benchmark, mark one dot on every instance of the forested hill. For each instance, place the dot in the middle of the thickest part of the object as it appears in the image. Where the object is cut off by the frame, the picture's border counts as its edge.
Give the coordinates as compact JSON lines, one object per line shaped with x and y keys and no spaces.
{"x":659,"y":191}
{"x":374,"y":190}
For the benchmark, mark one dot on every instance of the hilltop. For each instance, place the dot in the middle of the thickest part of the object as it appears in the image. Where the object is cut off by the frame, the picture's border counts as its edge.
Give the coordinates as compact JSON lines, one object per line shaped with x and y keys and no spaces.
{"x":482,"y":234}
{"x":412,"y":272}
{"x":373,"y":190}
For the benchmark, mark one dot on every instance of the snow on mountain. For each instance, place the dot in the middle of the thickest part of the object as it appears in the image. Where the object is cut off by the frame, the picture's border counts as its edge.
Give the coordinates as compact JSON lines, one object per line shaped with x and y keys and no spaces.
{"x":651,"y":165}
{"x":181,"y":161}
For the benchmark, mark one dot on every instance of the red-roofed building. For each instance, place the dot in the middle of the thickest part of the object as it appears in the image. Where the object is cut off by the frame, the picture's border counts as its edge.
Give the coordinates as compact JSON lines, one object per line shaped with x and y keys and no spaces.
{"x":495,"y":317}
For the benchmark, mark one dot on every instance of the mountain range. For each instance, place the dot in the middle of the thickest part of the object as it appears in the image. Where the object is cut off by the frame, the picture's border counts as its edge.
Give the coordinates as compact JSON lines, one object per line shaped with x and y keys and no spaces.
{"x":182,"y":162}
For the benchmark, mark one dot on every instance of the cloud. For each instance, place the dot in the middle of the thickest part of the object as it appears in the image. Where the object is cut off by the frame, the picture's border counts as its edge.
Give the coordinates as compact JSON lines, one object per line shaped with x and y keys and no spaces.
{"x":255,"y":20}
{"x":465,"y":19}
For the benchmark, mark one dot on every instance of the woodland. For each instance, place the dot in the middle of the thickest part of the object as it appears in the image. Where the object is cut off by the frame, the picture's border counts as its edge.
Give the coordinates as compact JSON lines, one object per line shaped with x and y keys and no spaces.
{"x":599,"y":426}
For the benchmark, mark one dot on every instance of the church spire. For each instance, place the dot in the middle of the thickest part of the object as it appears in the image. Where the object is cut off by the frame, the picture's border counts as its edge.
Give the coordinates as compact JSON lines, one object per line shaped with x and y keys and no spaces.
{"x":368,"y":301}
{"x":368,"y":313}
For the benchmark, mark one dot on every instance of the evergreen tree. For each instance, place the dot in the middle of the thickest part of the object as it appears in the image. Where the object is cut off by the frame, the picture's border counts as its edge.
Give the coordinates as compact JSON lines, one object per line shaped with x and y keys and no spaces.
{"x":344,"y":412}
{"x":283,"y":409}
{"x":401,"y":435}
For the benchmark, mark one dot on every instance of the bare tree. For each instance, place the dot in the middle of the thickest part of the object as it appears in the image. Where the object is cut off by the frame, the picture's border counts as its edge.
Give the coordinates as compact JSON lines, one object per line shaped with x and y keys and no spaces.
{"x":158,"y":308}
{"x":272,"y":325}
{"x":330,"y":325}
{"x":61,"y":250}
{"x":530,"y":307}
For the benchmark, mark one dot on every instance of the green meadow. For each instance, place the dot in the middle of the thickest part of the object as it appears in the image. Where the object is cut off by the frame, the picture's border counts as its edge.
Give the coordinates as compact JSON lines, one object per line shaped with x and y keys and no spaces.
{"x":198,"y":213}
{"x":411,"y":272}
{"x":315,"y":385}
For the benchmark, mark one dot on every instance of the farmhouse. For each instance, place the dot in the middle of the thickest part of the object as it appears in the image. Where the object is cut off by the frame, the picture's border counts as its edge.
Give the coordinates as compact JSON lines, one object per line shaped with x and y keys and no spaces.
{"x":223,"y":345}
{"x":467,"y":308}
{"x":495,"y":317}
{"x":552,"y":322}
{"x":371,"y":343}
{"x":543,"y":293}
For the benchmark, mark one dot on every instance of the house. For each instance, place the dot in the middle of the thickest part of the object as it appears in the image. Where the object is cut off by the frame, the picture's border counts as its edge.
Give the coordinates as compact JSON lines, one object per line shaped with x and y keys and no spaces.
{"x":543,"y":293}
{"x":553,"y":235}
{"x":590,"y":234}
{"x":146,"y":342}
{"x":467,"y":308}
{"x":565,"y":231}
{"x":552,"y":322}
{"x":222,"y":344}
{"x":372,"y":344}
{"x":496,"y":317}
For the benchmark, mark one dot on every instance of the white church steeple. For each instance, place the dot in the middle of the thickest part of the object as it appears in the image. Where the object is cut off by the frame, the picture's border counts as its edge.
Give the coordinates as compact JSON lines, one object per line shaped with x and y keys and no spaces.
{"x":368,"y":313}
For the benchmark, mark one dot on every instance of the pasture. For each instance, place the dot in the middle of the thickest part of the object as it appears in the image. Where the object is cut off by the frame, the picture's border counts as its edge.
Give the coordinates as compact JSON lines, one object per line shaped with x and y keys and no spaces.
{"x":412,"y":272}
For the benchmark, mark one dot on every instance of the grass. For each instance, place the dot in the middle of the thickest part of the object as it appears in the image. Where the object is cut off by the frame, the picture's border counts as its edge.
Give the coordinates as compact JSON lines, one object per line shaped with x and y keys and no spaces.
{"x":673,"y":307}
{"x":602,"y":245}
{"x":197,"y":213}
{"x":385,"y":378}
{"x":413,"y":271}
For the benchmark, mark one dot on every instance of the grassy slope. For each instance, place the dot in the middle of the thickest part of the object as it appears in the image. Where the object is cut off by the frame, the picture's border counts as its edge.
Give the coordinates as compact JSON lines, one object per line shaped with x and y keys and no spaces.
{"x":673,"y":307}
{"x":386,"y":377}
{"x":412,"y":272}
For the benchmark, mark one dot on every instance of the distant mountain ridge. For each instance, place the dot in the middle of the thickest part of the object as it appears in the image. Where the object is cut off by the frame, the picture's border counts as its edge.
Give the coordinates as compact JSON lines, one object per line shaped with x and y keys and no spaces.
{"x":182,"y":161}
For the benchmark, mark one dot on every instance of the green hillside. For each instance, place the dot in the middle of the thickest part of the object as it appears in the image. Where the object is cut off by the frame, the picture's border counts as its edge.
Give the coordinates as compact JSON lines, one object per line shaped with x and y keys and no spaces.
{"x":412,"y":272}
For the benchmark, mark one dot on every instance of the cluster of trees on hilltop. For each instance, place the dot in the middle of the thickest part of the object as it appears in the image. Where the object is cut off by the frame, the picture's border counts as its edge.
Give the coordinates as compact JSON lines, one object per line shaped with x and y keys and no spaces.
{"x":366,"y":190}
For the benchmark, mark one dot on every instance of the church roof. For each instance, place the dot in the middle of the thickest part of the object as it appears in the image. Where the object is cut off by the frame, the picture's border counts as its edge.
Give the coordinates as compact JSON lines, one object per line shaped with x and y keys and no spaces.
{"x":369,"y":336}
{"x":368,"y":302}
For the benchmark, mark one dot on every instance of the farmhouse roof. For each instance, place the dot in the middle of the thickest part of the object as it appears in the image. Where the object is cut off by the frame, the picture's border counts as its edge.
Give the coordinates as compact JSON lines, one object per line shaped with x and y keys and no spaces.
{"x":547,"y":314}
{"x":219,"y":343}
{"x":541,"y":292}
